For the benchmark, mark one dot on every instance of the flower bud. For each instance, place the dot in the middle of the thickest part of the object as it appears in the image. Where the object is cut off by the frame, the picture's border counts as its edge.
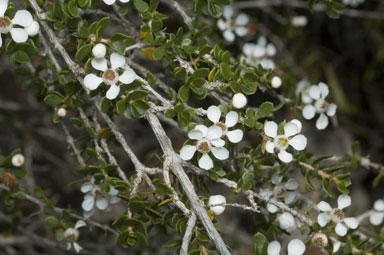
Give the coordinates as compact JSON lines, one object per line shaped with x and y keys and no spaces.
{"x":71,"y":234}
{"x":239,"y":100}
{"x":320,"y":239}
{"x":99,"y":50}
{"x":213,"y":204}
{"x":33,"y":29}
{"x":276,"y":82}
{"x":61,"y":112}
{"x":18,"y":160}
{"x":7,"y":179}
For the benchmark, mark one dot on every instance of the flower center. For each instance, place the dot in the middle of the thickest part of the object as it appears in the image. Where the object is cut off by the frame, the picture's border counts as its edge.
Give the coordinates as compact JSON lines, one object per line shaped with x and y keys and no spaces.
{"x":5,"y":24}
{"x":320,"y":239}
{"x":321,"y":105}
{"x":337,"y":215}
{"x":223,"y":127}
{"x":279,"y":191}
{"x":204,"y":146}
{"x":71,"y":234}
{"x":110,"y":77}
{"x":281,"y":142}
{"x":231,"y":24}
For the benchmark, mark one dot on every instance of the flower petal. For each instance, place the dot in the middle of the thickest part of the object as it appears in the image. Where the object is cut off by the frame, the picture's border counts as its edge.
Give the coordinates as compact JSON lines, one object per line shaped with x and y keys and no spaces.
{"x":3,"y":7}
{"x":270,"y":147}
{"x":323,"y":219}
{"x":80,"y":224}
{"x":113,"y":191}
{"x":343,"y":201}
{"x":324,"y":206}
{"x":376,"y":218}
{"x":235,"y":136}
{"x":309,"y":112}
{"x":314,"y":92}
{"x":242,"y":19}
{"x":23,"y":18}
{"x":220,"y":153}
{"x":322,"y":122}
{"x":290,"y":129}
{"x":77,"y":247}
{"x":289,"y":197}
{"x":218,"y":142}
{"x":341,"y":229}
{"x":266,"y":193}
{"x":286,"y":221}
{"x":33,"y":28}
{"x":351,"y":222}
{"x":128,"y":76}
{"x":109,"y":2}
{"x":272,"y":208}
{"x":1,"y":40}
{"x":99,"y":64}
{"x":114,"y":199}
{"x":296,"y":247}
{"x":274,"y":248}
{"x":19,"y":35}
{"x":92,"y":81}
{"x":379,"y":205}
{"x":271,"y":50}
{"x":284,"y":156}
{"x":113,"y":92}
{"x":214,"y":113}
{"x":221,"y":24}
{"x":231,"y":119}
{"x":88,"y":204}
{"x":227,"y":12}
{"x":229,"y":36}
{"x":299,"y":142}
{"x":205,"y":162}
{"x":298,"y":124}
{"x":276,"y":179}
{"x":102,"y":203}
{"x":86,"y":187}
{"x":117,"y":60}
{"x":331,"y":110}
{"x":195,"y":134}
{"x":324,"y":90}
{"x":270,"y":129}
{"x":214,"y":132}
{"x":291,"y":184}
{"x":336,"y":246}
{"x":187,"y":152}
{"x":241,"y":31}
{"x":248,"y":48}
{"x":88,"y":214}
{"x":203,"y":129}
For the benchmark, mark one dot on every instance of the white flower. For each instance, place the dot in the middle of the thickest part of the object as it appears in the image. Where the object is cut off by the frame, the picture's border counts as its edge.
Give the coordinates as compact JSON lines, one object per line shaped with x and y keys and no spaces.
{"x":285,"y":191}
{"x":95,"y":197}
{"x":119,"y":72}
{"x":281,"y":143}
{"x":23,"y":18}
{"x":231,"y":119}
{"x":299,"y":21}
{"x":377,"y":216}
{"x":61,"y":112}
{"x":111,"y":2}
{"x":208,"y":140}
{"x":336,"y":215}
{"x":72,"y":235}
{"x":295,"y":247}
{"x":317,"y":104}
{"x":231,"y":26}
{"x":215,"y":204}
{"x":17,"y":160}
{"x":99,"y":50}
{"x":353,"y":3}
{"x":336,"y":246}
{"x":260,"y":53}
{"x":239,"y":100}
{"x":303,"y":88}
{"x":287,"y":221}
{"x":320,"y":239}
{"x":276,"y":82}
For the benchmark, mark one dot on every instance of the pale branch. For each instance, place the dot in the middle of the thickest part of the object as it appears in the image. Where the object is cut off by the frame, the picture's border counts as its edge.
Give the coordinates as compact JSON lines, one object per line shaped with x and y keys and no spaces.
{"x":71,"y":142}
{"x":188,"y":234}
{"x":179,"y":9}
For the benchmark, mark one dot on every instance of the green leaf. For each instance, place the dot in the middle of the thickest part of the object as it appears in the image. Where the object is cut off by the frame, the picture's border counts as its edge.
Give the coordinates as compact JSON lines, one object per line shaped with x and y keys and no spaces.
{"x":184,"y":93}
{"x":140,"y":5}
{"x":201,"y":73}
{"x":248,"y":178}
{"x":104,"y":105}
{"x":172,"y":244}
{"x":72,"y":8}
{"x":60,"y":235}
{"x":20,"y":57}
{"x":225,"y":71}
{"x":54,"y":99}
{"x":159,"y":53}
{"x":265,"y":109}
{"x":260,"y":244}
{"x":82,"y":3}
{"x":83,"y":52}
{"x":52,"y":221}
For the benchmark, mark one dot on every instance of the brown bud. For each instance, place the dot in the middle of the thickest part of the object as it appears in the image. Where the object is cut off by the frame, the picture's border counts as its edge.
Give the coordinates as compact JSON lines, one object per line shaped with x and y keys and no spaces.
{"x":7,"y":179}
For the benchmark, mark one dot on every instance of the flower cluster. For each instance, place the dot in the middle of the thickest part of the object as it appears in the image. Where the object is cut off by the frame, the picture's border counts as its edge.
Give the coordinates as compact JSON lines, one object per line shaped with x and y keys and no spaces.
{"x":20,"y":27}
{"x":260,"y":53}
{"x":231,"y":26}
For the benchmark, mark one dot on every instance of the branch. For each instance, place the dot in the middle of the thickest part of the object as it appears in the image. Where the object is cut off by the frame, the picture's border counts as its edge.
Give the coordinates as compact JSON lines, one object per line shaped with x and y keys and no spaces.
{"x":188,"y":234}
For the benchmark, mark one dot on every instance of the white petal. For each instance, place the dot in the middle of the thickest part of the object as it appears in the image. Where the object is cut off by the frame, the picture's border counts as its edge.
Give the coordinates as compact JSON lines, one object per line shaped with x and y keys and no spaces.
{"x":296,"y":247}
{"x":235,"y":136}
{"x":248,"y":48}
{"x":241,"y":31}
{"x":276,"y":179}
{"x":340,"y":229}
{"x":271,"y":49}
{"x":218,"y":142}
{"x":351,"y":222}
{"x":267,"y":63}
{"x":262,"y":41}
{"x":309,"y":112}
{"x":331,"y":110}
{"x":113,"y":191}
{"x":272,"y":208}
{"x":270,"y":129}
{"x":86,"y":187}
{"x":231,"y":119}
{"x":214,"y":132}
{"x":102,"y":203}
{"x":203,"y":129}
{"x":242,"y":19}
{"x":88,"y":204}
{"x":195,"y":134}
{"x":3,"y":7}
{"x":314,"y":92}
{"x":33,"y":28}
{"x":284,"y":156}
{"x":289,"y":197}
{"x":221,"y":24}
{"x":205,"y":162}
{"x":77,"y":247}
{"x":239,"y":100}
{"x":324,"y":206}
{"x":113,"y":92}
{"x":227,"y":12}
{"x":92,"y":81}
{"x":306,"y":99}
{"x":274,"y":248}
{"x":117,"y":60}
{"x":323,"y":89}
{"x":1,"y":40}
{"x":266,"y":193}
{"x":128,"y":76}
{"x":114,"y":199}
{"x":23,"y":18}
{"x":322,"y":122}
{"x":220,"y":153}
{"x":19,"y":35}
{"x":290,"y":129}
{"x":214,"y":200}
{"x":69,"y":245}
{"x":214,"y":113}
{"x":343,"y":201}
{"x":379,"y":205}
{"x":291,"y":184}
{"x":80,"y":224}
{"x":99,"y":64}
{"x":270,"y":147}
{"x":229,"y":36}
{"x":187,"y":152}
{"x":298,"y":124}
{"x":336,"y":246}
{"x":259,"y":51}
{"x":376,"y":218}
{"x":286,"y":221}
{"x":323,"y":219}
{"x":109,"y":2}
{"x":299,"y":142}
{"x":88,"y":214}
